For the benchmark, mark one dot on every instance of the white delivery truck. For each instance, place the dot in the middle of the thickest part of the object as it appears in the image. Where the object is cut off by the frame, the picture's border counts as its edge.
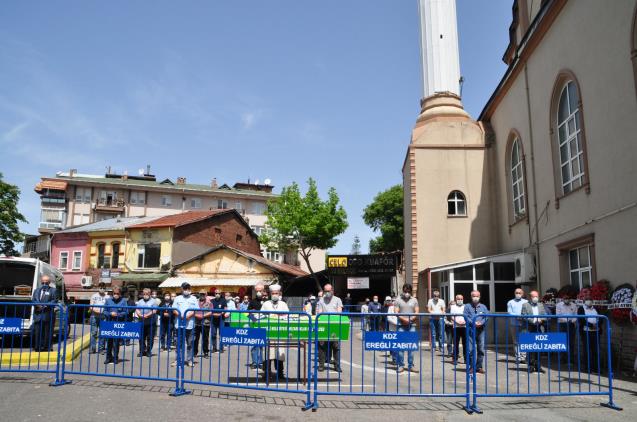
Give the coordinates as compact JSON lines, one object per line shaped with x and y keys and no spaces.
{"x":19,"y":277}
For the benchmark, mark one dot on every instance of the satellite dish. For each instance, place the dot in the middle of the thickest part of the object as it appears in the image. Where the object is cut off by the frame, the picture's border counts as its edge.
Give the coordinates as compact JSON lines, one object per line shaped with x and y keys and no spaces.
{"x":267,"y":182}
{"x":256,"y":182}
{"x":140,"y":172}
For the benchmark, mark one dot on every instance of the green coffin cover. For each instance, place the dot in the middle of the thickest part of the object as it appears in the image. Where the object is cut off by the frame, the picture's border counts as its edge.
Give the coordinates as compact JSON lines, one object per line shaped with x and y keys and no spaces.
{"x":294,"y":327}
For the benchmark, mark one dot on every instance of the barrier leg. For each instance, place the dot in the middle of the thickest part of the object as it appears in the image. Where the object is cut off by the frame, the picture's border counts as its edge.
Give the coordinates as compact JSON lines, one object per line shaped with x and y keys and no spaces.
{"x":310,"y":373}
{"x":181,"y":362}
{"x":60,"y":362}
{"x":611,"y":404}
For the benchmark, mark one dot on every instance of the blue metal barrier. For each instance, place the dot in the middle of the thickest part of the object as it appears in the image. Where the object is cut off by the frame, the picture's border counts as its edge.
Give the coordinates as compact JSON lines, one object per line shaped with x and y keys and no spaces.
{"x":568,"y":346}
{"x":130,"y":351}
{"x":239,"y":349}
{"x":371,"y":362}
{"x":27,"y":330}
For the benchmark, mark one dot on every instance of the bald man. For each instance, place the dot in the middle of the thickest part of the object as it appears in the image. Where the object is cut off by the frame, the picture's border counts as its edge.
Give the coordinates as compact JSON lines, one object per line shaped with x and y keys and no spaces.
{"x":43,"y":316}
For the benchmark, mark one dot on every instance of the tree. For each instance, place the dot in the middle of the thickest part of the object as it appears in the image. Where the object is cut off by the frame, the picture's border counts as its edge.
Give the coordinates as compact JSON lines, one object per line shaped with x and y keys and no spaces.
{"x":9,"y":218}
{"x":385,"y":214}
{"x":303,"y":223}
{"x":356,"y":246}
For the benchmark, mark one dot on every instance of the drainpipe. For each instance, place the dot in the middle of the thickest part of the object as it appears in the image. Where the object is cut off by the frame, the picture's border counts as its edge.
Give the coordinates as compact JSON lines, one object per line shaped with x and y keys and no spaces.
{"x":535,"y":242}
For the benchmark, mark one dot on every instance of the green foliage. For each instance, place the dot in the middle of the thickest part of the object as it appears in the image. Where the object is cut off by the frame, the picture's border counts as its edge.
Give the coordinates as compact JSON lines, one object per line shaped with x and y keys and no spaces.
{"x":385,"y":214}
{"x":303,"y":222}
{"x":9,"y":218}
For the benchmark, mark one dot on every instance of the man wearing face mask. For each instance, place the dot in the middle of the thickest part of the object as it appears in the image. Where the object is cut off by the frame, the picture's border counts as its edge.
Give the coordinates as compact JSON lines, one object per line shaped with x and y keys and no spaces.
{"x":165,"y":321}
{"x":534,"y":325}
{"x":44,"y":316}
{"x":332,"y":305}
{"x":365,"y":311}
{"x":116,"y":311}
{"x":474,"y":316}
{"x":275,"y":353}
{"x":459,"y":328}
{"x":436,"y":307}
{"x":374,"y":310}
{"x":568,"y":326}
{"x":98,"y":300}
{"x":516,"y":325}
{"x":256,"y":352}
{"x":146,"y":315}
{"x":245,"y":303}
{"x":183,"y":315}
{"x":218,"y":304}
{"x":590,"y":333}
{"x":406,"y":304}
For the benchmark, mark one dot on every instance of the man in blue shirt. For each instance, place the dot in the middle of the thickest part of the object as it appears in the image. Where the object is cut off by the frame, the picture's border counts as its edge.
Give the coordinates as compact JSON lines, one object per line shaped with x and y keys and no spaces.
{"x":147,"y":318}
{"x":183,"y":305}
{"x":476,"y":321}
{"x":514,"y":307}
{"x":115,"y":311}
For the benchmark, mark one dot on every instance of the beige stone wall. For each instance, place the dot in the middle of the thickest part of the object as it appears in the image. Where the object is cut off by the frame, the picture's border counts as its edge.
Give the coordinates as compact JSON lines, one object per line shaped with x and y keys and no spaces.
{"x":599,"y":57}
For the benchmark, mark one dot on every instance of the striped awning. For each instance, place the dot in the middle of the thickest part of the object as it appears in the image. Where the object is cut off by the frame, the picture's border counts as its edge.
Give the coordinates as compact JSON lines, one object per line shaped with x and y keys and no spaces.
{"x":212,"y":282}
{"x":51,"y":184}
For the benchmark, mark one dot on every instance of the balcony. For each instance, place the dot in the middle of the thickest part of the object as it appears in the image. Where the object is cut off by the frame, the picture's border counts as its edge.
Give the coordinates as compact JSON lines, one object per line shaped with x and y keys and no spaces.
{"x":114,"y":205}
{"x":50,"y":225}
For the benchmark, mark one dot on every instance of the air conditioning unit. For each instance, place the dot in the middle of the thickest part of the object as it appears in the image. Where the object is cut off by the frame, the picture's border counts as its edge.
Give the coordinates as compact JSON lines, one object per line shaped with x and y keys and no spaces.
{"x":87,"y":281}
{"x":524,"y":268}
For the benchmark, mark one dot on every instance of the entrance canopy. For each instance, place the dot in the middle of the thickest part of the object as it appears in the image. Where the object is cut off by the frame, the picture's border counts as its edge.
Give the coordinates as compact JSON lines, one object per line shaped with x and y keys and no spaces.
{"x":175,"y":282}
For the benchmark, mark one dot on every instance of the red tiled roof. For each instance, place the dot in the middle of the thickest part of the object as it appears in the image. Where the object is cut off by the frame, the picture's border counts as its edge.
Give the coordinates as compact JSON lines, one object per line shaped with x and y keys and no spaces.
{"x":177,"y":220}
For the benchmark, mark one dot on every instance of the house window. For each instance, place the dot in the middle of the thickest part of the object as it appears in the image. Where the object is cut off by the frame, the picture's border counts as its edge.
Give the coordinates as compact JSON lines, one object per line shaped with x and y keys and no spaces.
{"x":257,"y":230}
{"x":101,"y":255}
{"x":569,"y":137}
{"x":115,"y":255}
{"x":250,"y":265}
{"x":239,"y":238}
{"x":238,"y":205}
{"x":456,"y":204}
{"x":108,"y":198}
{"x":83,"y":195}
{"x":580,"y":266}
{"x":138,"y":198}
{"x":64,"y":260}
{"x":166,"y":200}
{"x":517,"y":180}
{"x":148,"y":255}
{"x":221,"y":204}
{"x":195,"y":203}
{"x":77,"y":260}
{"x":79,"y":218}
{"x":52,"y":218}
{"x":258,"y":208}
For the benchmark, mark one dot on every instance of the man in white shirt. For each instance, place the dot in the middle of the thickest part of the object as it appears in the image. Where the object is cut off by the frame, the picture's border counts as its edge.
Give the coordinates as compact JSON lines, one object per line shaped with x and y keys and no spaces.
{"x":98,"y":300}
{"x":329,"y":304}
{"x":275,"y":353}
{"x":591,"y":331}
{"x":516,"y":325}
{"x":568,"y":326}
{"x":459,"y":327}
{"x":436,"y":306}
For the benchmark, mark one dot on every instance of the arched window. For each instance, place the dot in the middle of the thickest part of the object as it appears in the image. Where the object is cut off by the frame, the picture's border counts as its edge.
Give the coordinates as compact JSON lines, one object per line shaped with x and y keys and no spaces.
{"x":101,"y":252}
{"x":115,"y":254}
{"x":456,"y":204}
{"x":569,"y":137}
{"x":517,"y":180}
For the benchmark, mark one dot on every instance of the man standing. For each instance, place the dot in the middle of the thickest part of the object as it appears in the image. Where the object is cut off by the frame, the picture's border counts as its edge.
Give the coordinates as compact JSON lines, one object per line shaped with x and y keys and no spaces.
{"x":591,"y":330}
{"x":406,"y":304}
{"x":365,"y":312}
{"x":245,"y":304}
{"x":374,"y":311}
{"x":165,"y":330}
{"x":275,"y":354}
{"x":436,"y":307}
{"x":568,"y":326}
{"x":146,"y":315}
{"x":256,"y":352}
{"x":218,"y":304}
{"x":347,"y":303}
{"x":459,"y":328}
{"x":116,"y":311}
{"x":184,"y":318}
{"x":98,"y":300}
{"x":329,"y":304}
{"x":534,"y":325}
{"x":516,"y":325}
{"x":202,"y":326}
{"x":476,"y":321}
{"x":44,"y":315}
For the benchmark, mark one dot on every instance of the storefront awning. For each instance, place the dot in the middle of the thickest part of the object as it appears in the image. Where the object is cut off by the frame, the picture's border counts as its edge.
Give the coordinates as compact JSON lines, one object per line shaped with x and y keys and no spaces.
{"x":206,"y":282}
{"x":141,"y":277}
{"x":51,"y":184}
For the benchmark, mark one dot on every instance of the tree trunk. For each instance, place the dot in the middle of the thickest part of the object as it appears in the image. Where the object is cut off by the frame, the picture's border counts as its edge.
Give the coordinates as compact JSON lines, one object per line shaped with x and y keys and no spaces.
{"x":306,"y":258}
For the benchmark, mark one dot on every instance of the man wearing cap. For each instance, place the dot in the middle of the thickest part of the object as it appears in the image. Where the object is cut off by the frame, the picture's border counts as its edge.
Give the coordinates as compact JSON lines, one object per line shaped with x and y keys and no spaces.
{"x":275,"y":353}
{"x":182,"y":306}
{"x":329,"y":304}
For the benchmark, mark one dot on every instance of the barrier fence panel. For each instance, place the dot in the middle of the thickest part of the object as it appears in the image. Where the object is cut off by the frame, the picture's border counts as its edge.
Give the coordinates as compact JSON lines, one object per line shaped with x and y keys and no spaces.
{"x":541,"y":355}
{"x":31,"y":337}
{"x":261,"y":350}
{"x":125,"y":342}
{"x":357,"y":354}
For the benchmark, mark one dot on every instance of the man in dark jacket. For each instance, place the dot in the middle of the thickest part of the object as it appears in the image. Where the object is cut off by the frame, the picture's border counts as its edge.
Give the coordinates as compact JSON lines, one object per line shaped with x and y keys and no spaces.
{"x":165,"y":322}
{"x":256,"y":352}
{"x":44,"y":315}
{"x":533,"y":325}
{"x":115,"y":311}
{"x":218,"y":304}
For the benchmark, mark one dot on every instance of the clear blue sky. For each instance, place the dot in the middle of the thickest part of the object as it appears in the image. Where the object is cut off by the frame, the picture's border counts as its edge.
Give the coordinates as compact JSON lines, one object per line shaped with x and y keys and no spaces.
{"x":279,"y":89}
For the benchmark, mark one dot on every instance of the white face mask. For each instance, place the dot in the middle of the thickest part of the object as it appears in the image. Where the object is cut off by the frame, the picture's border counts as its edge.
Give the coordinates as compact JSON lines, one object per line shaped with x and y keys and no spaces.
{"x":406,"y":295}
{"x":275,"y":298}
{"x":186,"y":293}
{"x":475,"y":299}
{"x":518,"y":296}
{"x":327,"y":295}
{"x":535,"y":299}
{"x":459,"y":302}
{"x":588,"y":303}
